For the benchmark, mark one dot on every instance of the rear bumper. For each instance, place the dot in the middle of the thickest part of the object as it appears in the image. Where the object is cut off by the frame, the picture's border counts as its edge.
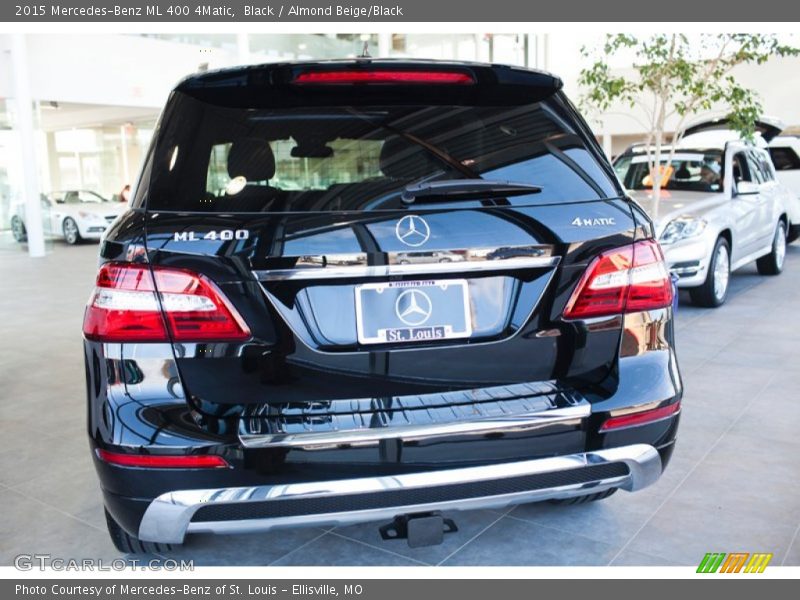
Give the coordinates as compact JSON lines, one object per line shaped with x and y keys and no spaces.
{"x":172,"y":515}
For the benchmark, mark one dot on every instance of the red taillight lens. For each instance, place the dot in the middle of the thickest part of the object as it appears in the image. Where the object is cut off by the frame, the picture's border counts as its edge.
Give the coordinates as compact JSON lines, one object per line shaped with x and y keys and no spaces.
{"x":651,"y":286}
{"x":156,"y":461}
{"x":127,"y":304}
{"x":627,"y":279}
{"x":641,"y":418}
{"x":396,"y":77}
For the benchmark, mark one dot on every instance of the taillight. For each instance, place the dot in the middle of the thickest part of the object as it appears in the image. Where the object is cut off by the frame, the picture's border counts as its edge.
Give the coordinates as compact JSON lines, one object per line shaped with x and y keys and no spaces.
{"x":384,"y":76}
{"x":641,"y":417}
{"x":126,"y":306}
{"x":161,"y":461}
{"x":627,"y":279}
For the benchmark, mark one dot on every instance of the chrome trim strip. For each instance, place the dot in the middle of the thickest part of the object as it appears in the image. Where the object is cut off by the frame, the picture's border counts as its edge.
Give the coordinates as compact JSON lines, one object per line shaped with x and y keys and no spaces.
{"x":508,"y":424}
{"x":433,"y":268}
{"x":533,"y":396}
{"x":168,"y":517}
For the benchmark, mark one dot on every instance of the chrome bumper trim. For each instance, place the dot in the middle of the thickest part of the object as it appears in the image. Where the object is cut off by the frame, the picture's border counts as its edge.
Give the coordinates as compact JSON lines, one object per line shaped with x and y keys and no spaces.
{"x":358,"y":437}
{"x":434,"y":268}
{"x":168,"y":517}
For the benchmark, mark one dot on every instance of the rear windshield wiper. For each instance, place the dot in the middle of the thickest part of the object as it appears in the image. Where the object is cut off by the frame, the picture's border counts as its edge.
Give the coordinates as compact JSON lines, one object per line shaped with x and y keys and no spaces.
{"x":465,"y":189}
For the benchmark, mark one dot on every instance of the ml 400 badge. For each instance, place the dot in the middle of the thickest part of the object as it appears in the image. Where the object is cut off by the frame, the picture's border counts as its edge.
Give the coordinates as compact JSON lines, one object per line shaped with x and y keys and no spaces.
{"x":359,"y":295}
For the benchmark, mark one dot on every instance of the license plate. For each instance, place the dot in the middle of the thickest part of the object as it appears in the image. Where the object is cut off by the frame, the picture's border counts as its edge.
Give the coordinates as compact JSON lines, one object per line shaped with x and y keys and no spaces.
{"x":412,"y":311}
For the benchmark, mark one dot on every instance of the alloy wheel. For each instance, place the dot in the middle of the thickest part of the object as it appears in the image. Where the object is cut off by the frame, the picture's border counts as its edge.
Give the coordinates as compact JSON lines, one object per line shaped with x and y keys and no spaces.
{"x":722,"y":266}
{"x":780,"y":246}
{"x":70,"y":231}
{"x":17,"y":229}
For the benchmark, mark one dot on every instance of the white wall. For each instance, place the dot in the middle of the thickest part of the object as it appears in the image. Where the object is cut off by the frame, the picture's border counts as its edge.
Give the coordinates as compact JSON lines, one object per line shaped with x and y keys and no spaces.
{"x":116,"y":70}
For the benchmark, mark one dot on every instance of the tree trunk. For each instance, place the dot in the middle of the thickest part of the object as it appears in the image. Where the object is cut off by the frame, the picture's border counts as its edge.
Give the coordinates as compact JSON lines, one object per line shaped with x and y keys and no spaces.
{"x":659,"y":139}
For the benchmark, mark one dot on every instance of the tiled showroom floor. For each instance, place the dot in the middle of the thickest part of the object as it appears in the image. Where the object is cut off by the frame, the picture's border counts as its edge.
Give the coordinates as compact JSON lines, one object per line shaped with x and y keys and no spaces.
{"x":733,"y":484}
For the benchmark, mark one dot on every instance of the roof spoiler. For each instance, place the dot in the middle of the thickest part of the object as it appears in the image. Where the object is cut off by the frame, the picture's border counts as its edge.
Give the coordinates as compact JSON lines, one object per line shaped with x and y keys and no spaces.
{"x":283,"y":84}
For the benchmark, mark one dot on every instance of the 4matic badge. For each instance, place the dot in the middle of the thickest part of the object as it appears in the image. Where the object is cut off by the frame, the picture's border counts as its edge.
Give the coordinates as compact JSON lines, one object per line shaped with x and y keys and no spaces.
{"x":593,"y":222}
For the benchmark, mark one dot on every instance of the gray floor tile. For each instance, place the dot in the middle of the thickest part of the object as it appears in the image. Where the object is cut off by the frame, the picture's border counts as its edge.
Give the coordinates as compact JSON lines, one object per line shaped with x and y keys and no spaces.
{"x":514,"y":542}
{"x":628,"y":558}
{"x":757,"y":492}
{"x":792,"y":557}
{"x":774,"y":417}
{"x":335,"y":550}
{"x":715,"y":371}
{"x":28,"y":462}
{"x":700,"y":427}
{"x":242,"y":550}
{"x":726,"y":395}
{"x":747,"y":456}
{"x":28,"y":527}
{"x":682,"y":531}
{"x":75,"y":491}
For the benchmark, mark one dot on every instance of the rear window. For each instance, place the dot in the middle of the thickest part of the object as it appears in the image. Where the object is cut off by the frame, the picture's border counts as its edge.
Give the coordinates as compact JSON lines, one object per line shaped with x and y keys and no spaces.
{"x":220,"y":159}
{"x":785,"y":158}
{"x":349,"y":161}
{"x":691,"y":171}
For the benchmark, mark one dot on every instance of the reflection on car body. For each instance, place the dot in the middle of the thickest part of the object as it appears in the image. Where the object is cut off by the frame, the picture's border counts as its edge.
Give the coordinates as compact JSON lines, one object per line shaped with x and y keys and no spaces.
{"x":441,"y":256}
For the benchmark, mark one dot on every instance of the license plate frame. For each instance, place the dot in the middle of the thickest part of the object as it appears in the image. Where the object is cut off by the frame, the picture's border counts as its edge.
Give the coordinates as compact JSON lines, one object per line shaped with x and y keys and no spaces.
{"x":405,"y":312}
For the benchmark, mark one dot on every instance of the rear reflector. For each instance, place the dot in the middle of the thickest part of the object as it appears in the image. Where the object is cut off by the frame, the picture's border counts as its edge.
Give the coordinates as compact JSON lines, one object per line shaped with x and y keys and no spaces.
{"x":628,"y":279}
{"x":641,"y":418}
{"x":127,"y":306}
{"x":395,"y":77}
{"x":156,"y":461}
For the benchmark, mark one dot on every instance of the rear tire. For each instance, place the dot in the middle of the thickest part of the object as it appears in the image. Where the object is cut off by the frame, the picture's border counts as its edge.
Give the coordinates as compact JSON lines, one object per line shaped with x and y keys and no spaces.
{"x":772,"y":263}
{"x":72,"y":234}
{"x":130,"y":544}
{"x":18,"y":229}
{"x":714,"y":290}
{"x":583,"y":499}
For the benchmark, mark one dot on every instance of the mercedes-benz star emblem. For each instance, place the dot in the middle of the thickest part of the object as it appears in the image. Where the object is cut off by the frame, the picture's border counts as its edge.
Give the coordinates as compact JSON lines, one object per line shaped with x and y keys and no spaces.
{"x":412,"y":230}
{"x":413,"y":307}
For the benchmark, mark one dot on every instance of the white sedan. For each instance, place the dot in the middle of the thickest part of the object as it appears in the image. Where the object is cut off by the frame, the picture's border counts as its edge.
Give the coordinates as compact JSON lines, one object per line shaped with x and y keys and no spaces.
{"x":74,"y":215}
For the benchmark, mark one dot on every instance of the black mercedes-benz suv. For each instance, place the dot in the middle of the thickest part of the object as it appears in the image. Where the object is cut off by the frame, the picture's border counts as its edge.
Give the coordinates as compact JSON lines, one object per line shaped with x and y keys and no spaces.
{"x":360,"y":290}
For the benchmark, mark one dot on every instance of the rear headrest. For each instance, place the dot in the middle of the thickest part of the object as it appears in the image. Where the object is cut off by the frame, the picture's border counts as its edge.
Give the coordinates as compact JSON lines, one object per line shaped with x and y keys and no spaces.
{"x":252,"y":159}
{"x":402,"y":159}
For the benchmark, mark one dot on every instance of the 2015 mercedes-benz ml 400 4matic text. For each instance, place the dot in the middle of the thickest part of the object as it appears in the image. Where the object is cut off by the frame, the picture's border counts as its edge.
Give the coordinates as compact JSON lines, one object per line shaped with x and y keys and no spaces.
{"x":359,"y":290}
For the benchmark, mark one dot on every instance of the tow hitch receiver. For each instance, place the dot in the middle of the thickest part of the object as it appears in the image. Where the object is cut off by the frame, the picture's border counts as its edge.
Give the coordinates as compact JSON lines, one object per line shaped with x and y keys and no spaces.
{"x":419,"y":529}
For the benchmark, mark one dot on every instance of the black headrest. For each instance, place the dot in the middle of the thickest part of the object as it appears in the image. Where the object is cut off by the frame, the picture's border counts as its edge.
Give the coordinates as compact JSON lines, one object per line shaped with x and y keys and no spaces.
{"x":683,"y":173}
{"x":252,"y":159}
{"x":401,"y":159}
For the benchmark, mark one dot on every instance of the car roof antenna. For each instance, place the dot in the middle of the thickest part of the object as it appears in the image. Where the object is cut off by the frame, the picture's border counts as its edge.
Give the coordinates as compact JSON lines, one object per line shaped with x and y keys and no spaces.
{"x":365,"y":51}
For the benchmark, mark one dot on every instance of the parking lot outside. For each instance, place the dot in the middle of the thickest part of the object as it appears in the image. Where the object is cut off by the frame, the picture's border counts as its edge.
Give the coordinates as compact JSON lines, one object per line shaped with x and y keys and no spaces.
{"x":732,"y":484}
